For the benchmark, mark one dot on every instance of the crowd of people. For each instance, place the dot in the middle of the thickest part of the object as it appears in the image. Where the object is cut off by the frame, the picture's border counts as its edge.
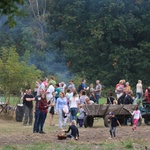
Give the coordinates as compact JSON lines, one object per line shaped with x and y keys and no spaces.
{"x":58,"y":98}
{"x":67,"y":101}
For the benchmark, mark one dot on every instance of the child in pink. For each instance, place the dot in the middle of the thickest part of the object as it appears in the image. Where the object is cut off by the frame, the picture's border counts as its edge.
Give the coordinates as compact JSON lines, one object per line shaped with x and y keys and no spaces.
{"x":136,"y":116}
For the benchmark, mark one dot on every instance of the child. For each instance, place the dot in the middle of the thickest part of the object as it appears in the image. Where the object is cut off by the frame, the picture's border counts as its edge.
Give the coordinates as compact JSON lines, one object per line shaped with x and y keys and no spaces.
{"x":81,"y":116}
{"x":114,"y":122}
{"x":52,"y":110}
{"x":74,"y":131}
{"x":136,"y":116}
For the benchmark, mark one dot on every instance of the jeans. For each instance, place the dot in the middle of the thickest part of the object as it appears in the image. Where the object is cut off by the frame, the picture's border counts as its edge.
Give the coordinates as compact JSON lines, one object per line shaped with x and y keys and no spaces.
{"x":80,"y":122}
{"x":28,"y":115}
{"x":113,"y":131}
{"x":138,"y":96}
{"x":97,"y":98}
{"x":36,"y":121}
{"x":73,"y":113}
{"x":61,"y":117}
{"x":42,"y":120}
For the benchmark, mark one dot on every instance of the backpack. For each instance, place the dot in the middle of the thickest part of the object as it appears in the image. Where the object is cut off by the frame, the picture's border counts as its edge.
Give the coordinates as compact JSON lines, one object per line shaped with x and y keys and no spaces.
{"x":79,"y":88}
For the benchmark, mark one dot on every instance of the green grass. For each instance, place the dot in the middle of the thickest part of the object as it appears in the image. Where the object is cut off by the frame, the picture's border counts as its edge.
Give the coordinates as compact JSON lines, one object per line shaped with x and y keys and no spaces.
{"x":73,"y":145}
{"x":102,"y":100}
{"x":13,"y":101}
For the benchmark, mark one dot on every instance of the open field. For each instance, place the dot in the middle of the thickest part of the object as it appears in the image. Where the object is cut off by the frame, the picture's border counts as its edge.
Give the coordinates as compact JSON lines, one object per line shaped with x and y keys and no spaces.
{"x":15,"y":136}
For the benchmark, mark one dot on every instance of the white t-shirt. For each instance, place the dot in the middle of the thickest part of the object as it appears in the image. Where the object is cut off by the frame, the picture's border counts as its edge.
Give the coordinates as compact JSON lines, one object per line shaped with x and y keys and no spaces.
{"x":136,"y":114}
{"x":139,"y":88}
{"x":41,"y":87}
{"x":73,"y":102}
{"x":50,"y":90}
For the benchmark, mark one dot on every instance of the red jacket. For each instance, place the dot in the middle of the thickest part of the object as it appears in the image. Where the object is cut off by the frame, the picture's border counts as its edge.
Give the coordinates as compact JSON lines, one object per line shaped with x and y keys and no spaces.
{"x":147,"y":95}
{"x":43,"y":105}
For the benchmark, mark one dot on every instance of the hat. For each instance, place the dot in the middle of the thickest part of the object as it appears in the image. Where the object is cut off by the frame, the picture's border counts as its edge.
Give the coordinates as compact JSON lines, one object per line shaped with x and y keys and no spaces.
{"x":111,"y":113}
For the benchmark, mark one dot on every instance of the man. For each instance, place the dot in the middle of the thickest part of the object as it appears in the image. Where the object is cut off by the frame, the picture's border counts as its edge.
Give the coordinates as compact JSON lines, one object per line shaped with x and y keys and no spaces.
{"x":49,"y":92}
{"x":41,"y":87}
{"x":98,"y":91}
{"x":28,"y":107}
{"x":37,"y":112}
{"x":71,"y":85}
{"x":62,"y":86}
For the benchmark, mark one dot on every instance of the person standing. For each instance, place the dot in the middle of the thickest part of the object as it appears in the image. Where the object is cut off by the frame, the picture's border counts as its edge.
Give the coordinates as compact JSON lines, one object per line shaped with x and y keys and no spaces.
{"x":98,"y":91}
{"x":41,"y":87}
{"x":71,"y":85}
{"x":37,"y":112}
{"x":147,"y":94}
{"x":139,"y":91}
{"x":52,"y":109}
{"x":49,"y":92}
{"x":57,"y":90}
{"x":74,"y":106}
{"x":28,"y":107}
{"x":61,"y":102}
{"x":43,"y":106}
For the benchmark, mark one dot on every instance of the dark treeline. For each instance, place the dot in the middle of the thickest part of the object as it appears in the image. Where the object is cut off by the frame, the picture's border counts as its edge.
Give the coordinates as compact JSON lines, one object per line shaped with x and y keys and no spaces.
{"x":94,"y":39}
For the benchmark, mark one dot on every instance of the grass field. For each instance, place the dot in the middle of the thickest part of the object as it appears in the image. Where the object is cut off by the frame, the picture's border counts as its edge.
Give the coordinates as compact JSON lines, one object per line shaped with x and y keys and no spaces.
{"x":15,"y":136}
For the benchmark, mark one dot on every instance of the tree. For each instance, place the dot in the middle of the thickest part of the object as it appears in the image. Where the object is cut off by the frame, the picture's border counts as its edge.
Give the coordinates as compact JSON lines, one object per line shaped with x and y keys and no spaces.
{"x":15,"y":74}
{"x":9,"y":9}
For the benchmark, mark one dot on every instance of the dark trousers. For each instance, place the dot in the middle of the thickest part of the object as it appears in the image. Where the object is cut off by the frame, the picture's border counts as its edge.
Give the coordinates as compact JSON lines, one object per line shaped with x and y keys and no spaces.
{"x":42,"y":120}
{"x":112,"y":131}
{"x":36,"y":121}
{"x":80,"y":121}
{"x":28,"y":118}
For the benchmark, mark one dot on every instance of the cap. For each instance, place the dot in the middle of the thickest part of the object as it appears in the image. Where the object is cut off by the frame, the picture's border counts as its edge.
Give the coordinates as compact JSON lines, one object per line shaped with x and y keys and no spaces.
{"x":111,"y":113}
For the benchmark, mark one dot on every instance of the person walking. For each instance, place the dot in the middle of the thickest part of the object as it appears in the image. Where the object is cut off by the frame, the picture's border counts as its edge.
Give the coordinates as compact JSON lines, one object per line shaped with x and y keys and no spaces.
{"x":114,"y":121}
{"x":136,"y":116}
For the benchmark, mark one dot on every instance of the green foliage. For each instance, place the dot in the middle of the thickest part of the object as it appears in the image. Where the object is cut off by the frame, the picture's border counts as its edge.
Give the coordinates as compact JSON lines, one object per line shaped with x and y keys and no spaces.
{"x":10,"y":9}
{"x":93,"y":39}
{"x":15,"y":74}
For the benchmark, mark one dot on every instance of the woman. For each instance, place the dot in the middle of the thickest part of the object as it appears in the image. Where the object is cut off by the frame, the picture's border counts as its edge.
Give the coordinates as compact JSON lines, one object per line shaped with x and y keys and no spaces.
{"x":83,"y":98}
{"x":74,"y":105}
{"x":60,"y":104}
{"x":127,"y":88}
{"x":139,"y":91}
{"x":52,"y":110}
{"x":43,"y":106}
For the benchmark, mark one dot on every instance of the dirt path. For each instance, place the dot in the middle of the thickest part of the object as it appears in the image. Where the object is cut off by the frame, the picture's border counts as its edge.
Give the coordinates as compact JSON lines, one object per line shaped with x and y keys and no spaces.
{"x":12,"y":132}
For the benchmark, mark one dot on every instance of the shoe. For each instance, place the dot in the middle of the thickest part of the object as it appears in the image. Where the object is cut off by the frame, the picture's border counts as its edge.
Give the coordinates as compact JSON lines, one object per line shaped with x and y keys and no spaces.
{"x":42,"y":132}
{"x":35,"y":131}
{"x":110,"y":138}
{"x":133,"y":129}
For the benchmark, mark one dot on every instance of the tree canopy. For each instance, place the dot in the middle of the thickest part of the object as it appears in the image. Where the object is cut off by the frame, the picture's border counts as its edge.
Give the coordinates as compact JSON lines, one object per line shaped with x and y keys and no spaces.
{"x":93,"y":39}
